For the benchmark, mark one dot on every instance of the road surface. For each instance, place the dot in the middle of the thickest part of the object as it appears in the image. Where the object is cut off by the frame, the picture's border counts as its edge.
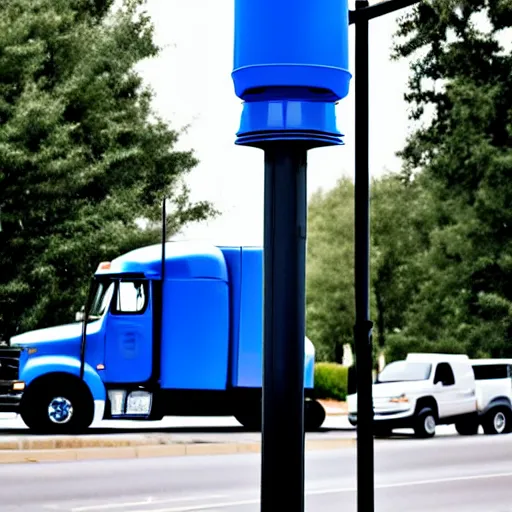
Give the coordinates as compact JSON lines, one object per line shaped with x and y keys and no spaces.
{"x":445,"y":474}
{"x":184,"y":430}
{"x":13,"y":422}
{"x":208,"y":429}
{"x":196,"y":430}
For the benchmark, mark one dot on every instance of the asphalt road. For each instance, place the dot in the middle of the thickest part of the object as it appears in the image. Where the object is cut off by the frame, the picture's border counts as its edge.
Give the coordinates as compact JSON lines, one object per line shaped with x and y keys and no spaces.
{"x":183,"y":429}
{"x":200,"y":430}
{"x":220,"y":428}
{"x":13,"y":422}
{"x":445,"y":474}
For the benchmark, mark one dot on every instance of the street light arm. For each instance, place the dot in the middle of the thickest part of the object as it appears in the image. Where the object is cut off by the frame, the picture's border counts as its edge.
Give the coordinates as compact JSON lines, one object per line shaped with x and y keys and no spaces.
{"x":379,"y":9}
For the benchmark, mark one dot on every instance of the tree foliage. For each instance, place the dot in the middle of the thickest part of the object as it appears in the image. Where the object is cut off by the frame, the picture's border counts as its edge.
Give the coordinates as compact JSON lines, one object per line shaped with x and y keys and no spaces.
{"x":441,"y":228}
{"x":83,"y":158}
{"x":329,"y":276}
{"x":463,"y":153}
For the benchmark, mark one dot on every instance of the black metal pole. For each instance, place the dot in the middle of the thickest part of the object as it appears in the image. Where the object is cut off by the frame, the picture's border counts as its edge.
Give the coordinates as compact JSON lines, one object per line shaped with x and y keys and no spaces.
{"x":282,"y":466}
{"x":363,"y":325}
{"x":164,"y":240}
{"x":379,"y":9}
{"x":85,"y":321}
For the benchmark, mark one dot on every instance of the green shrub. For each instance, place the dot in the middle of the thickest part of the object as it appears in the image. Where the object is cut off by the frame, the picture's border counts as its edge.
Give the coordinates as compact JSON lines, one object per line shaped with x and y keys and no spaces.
{"x":331,"y":381}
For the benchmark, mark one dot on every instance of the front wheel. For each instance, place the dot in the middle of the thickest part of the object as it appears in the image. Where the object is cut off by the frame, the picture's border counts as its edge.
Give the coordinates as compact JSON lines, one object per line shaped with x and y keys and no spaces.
{"x":425,"y":424}
{"x":497,"y":421}
{"x":57,"y":408}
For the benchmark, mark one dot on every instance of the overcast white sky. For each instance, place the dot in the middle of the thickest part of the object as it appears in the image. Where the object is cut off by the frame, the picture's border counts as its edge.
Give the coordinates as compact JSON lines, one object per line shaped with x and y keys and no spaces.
{"x":192,"y":82}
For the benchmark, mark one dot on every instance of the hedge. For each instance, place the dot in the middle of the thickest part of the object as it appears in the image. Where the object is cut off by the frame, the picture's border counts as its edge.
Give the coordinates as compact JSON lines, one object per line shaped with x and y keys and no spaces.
{"x":331,"y":381}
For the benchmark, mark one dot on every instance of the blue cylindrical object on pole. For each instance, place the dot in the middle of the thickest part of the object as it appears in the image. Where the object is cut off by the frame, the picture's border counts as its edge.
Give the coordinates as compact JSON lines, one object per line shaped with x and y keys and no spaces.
{"x":285,"y":43}
{"x":290,"y":68}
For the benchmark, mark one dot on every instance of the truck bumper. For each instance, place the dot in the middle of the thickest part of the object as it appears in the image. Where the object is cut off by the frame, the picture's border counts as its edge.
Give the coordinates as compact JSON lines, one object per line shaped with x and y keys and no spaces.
{"x":388,"y":423}
{"x":11,"y":393}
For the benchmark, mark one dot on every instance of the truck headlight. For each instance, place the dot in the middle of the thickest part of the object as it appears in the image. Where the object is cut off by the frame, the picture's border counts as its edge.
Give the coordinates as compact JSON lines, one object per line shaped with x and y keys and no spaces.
{"x":139,"y":403}
{"x":399,"y":399}
{"x":18,"y":385}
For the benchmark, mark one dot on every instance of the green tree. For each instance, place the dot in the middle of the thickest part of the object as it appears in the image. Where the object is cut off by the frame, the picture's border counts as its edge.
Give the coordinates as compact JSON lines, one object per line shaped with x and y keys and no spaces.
{"x":397,"y":233}
{"x":401,"y":220}
{"x":83,"y":158}
{"x":462,"y":153}
{"x":330,"y":270}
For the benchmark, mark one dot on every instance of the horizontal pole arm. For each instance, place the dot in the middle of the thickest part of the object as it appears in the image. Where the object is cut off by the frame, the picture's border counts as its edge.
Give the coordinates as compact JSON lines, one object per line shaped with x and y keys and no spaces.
{"x":379,"y":9}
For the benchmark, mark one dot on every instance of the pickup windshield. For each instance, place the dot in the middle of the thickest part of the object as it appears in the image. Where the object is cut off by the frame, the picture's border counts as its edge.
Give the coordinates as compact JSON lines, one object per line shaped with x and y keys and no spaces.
{"x":404,"y":371}
{"x":102,"y":295}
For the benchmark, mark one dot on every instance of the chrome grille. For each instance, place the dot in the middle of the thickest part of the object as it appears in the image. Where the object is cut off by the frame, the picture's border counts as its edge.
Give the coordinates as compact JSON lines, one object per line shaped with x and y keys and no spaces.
{"x":9,"y":364}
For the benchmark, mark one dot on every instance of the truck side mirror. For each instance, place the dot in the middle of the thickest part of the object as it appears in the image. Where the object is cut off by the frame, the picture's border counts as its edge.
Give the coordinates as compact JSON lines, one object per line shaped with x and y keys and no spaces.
{"x":80,"y":315}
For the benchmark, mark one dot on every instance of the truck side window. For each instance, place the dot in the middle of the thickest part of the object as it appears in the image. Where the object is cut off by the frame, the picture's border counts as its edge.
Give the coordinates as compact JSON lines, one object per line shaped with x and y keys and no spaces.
{"x":444,"y":374}
{"x":491,"y":371}
{"x":131,"y":297}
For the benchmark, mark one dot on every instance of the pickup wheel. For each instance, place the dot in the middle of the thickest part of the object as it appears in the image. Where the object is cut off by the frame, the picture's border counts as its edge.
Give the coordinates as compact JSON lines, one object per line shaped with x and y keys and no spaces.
{"x":57,"y":408}
{"x":425,"y":423}
{"x":497,"y":421}
{"x":467,"y":426}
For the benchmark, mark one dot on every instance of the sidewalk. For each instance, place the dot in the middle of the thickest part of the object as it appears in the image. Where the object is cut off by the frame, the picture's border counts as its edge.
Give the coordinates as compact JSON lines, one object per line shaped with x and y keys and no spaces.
{"x":171,"y":437}
{"x":137,"y":445}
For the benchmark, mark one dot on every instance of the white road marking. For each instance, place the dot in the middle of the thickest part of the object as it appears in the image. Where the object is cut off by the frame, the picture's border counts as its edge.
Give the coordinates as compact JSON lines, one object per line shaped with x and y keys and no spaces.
{"x":208,"y":506}
{"x":444,"y":480}
{"x":148,"y":501}
{"x":415,"y":483}
{"x":229,"y":504}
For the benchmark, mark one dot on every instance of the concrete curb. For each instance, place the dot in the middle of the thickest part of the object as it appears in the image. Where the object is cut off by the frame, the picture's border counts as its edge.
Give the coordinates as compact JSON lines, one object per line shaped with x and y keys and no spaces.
{"x":123,"y":450}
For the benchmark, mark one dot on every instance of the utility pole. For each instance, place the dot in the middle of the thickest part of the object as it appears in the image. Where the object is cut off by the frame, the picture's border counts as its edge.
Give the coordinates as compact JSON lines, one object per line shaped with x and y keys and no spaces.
{"x":289,"y":95}
{"x":363,"y":325}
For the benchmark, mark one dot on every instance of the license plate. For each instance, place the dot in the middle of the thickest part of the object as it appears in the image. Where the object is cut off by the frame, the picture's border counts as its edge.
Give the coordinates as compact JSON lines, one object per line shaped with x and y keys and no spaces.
{"x":138,"y":403}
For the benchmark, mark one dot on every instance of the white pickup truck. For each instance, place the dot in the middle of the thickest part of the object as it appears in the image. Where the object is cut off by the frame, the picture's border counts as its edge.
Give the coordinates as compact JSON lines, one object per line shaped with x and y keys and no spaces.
{"x":423,"y":391}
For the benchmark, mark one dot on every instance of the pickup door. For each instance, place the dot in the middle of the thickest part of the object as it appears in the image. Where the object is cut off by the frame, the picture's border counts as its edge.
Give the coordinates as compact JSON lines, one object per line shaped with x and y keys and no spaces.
{"x":452,"y":397}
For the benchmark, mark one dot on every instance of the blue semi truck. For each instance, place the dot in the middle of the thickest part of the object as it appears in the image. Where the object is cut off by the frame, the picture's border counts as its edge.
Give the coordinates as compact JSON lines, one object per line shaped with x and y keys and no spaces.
{"x":169,"y":329}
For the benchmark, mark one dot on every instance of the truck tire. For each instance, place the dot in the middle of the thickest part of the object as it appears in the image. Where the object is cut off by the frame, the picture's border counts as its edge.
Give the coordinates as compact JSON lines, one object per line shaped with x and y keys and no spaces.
{"x":314,"y":415}
{"x":425,"y":423}
{"x":467,"y":426}
{"x":497,"y":421}
{"x":57,"y":408}
{"x":249,"y":415}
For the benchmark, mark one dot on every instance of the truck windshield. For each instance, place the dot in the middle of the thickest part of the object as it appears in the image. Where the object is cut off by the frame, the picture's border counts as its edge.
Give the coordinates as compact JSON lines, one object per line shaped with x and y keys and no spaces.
{"x":102,"y":295}
{"x":404,"y":371}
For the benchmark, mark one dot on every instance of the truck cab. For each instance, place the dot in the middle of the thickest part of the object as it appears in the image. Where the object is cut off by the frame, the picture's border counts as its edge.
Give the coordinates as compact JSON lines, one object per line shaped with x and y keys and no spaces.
{"x":167,"y":330}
